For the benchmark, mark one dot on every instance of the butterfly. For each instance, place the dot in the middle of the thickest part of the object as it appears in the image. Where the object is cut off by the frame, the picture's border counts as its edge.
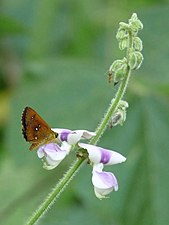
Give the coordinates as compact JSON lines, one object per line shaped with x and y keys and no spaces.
{"x":35,"y":130}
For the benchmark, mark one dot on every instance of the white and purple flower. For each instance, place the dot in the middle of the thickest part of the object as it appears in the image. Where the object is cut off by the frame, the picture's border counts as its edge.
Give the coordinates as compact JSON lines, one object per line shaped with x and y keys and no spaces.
{"x":72,"y":136}
{"x":101,"y":155}
{"x":103,"y":182}
{"x":52,"y":154}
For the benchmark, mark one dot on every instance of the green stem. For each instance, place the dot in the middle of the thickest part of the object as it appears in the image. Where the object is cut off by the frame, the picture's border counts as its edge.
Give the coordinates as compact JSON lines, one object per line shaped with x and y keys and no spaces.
{"x":120,"y":93}
{"x":56,"y":191}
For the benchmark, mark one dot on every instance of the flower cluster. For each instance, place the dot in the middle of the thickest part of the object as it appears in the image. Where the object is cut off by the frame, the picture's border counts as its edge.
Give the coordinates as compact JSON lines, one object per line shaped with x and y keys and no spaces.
{"x":52,"y":154}
{"x":127,"y":36}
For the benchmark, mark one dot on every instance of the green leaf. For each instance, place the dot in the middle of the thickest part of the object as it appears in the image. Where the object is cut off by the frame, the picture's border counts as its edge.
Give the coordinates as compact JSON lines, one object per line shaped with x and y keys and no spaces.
{"x":10,"y":26}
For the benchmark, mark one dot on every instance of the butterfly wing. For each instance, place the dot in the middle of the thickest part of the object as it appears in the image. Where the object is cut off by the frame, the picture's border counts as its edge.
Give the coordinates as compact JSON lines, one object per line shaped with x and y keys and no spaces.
{"x":35,"y":130}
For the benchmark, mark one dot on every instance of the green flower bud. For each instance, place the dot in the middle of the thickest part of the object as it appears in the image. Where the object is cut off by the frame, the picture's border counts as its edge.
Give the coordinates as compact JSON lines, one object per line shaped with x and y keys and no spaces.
{"x":133,"y":28}
{"x":115,"y":120}
{"x":119,"y":73}
{"x":123,"y":104}
{"x":133,"y":18}
{"x":124,"y":26}
{"x":135,"y":24}
{"x":132,"y":60}
{"x":120,"y":114}
{"x":135,"y":60}
{"x":117,"y":64}
{"x":137,"y":43}
{"x":121,"y":33}
{"x":138,"y":24}
{"x":123,"y":43}
{"x":140,"y":58}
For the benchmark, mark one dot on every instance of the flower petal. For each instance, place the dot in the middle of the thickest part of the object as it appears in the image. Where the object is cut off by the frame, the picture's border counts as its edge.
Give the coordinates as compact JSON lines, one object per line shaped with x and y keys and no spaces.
{"x":40,"y":152}
{"x":49,"y":167}
{"x":101,"y":155}
{"x":104,"y":183}
{"x":51,"y":155}
{"x":65,"y":147}
{"x":72,"y":137}
{"x":63,"y":133}
{"x":85,"y":134}
{"x":93,"y":151}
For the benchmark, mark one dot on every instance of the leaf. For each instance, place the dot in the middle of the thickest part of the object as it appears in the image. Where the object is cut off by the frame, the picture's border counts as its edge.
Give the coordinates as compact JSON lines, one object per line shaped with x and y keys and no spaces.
{"x":10,"y":26}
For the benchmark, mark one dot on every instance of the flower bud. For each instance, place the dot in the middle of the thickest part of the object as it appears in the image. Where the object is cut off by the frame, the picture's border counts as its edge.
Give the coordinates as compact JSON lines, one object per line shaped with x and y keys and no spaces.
{"x":123,"y":104}
{"x":137,"y":43}
{"x":123,"y":43}
{"x":135,"y":24}
{"x":139,"y":24}
{"x":132,"y":59}
{"x":133,"y":18}
{"x":116,"y":65}
{"x":135,"y":60}
{"x":124,"y":25}
{"x":121,"y":33}
{"x":119,"y":116}
{"x":134,"y":29}
{"x":120,"y":72}
{"x":140,"y":58}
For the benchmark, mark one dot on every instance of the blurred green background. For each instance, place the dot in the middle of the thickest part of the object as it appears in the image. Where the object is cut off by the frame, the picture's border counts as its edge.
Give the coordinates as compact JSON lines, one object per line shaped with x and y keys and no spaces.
{"x":53,"y":57}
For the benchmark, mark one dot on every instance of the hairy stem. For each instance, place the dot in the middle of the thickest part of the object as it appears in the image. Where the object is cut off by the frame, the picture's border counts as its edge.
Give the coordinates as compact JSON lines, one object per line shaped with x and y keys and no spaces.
{"x":113,"y":105}
{"x":55,"y":192}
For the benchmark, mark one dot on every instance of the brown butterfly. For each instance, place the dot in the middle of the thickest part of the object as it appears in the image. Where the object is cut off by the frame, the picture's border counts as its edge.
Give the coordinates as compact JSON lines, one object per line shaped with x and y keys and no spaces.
{"x":35,"y":130}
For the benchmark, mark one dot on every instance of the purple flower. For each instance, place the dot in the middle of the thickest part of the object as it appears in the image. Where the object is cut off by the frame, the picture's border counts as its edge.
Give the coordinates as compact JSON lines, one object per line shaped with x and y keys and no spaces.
{"x":100,"y":155}
{"x":73,"y":136}
{"x":52,"y":154}
{"x":103,"y":182}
